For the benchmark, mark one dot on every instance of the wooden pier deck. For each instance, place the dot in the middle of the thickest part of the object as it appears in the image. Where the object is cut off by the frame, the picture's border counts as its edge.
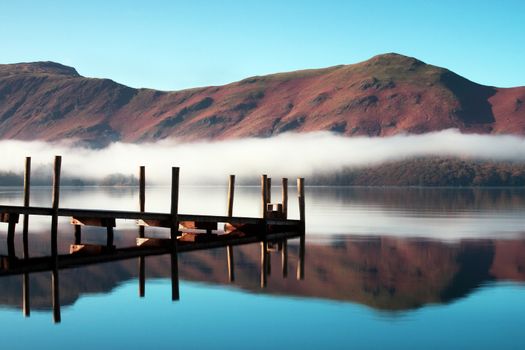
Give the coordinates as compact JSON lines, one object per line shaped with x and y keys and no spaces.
{"x":187,"y":232}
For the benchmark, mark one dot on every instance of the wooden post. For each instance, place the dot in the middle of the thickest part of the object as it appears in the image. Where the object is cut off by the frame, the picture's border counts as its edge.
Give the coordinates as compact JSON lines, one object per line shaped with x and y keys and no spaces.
{"x":284,"y":258}
{"x":264,"y":257}
{"x":284,"y":196}
{"x":110,"y":235}
{"x":300,"y":196}
{"x":269,"y":191}
{"x":264,"y":192}
{"x":174,"y":202}
{"x":175,"y":172}
{"x":27,"y":188}
{"x":300,"y":265}
{"x":55,"y":291}
{"x":231,"y":272}
{"x":26,"y":305}
{"x":142,"y":196}
{"x":231,"y":190}
{"x":78,"y":234}
{"x":56,"y":198}
{"x":268,"y":261}
{"x":142,"y":276}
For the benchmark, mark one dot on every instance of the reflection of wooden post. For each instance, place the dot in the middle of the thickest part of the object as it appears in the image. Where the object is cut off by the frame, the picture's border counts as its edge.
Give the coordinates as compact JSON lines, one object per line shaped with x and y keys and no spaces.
{"x":284,"y":258}
{"x":264,"y":193}
{"x":11,"y":235}
{"x":27,"y":188}
{"x":231,"y":272}
{"x":284,"y":197}
{"x":264,"y":258}
{"x":142,"y":196}
{"x":174,"y":276}
{"x":300,"y":265}
{"x":174,"y":232}
{"x":268,"y":261}
{"x":142,"y":276}
{"x":56,"y":197}
{"x":25,"y":296}
{"x":56,"y":296}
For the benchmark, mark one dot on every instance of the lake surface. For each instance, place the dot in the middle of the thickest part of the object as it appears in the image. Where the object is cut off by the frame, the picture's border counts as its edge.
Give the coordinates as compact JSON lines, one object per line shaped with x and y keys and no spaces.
{"x":385,"y":268}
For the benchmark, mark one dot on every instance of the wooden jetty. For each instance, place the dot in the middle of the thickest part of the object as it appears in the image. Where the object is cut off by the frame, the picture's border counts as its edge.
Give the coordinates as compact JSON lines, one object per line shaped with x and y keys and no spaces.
{"x":272,"y":230}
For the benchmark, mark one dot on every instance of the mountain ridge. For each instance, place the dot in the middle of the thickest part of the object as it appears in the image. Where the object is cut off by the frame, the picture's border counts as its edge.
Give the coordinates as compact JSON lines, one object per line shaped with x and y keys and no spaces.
{"x":385,"y":95}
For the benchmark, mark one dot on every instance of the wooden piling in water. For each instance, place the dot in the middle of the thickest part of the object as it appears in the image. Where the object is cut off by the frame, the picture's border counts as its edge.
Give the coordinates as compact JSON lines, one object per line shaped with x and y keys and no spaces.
{"x":175,"y":173}
{"x":264,"y":195}
{"x":284,"y":197}
{"x":27,"y":190}
{"x":300,"y":197}
{"x":56,"y":197}
{"x":142,"y":196}
{"x":269,"y":190}
{"x":231,"y":192}
{"x":26,"y":307}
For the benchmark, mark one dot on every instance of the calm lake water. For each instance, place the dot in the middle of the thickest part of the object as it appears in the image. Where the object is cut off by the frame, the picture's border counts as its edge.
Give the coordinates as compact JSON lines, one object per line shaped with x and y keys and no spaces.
{"x":385,"y":268}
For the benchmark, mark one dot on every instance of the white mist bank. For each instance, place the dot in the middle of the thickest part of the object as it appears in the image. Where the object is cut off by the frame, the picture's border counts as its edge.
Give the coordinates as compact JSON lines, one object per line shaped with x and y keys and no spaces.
{"x":285,"y":155}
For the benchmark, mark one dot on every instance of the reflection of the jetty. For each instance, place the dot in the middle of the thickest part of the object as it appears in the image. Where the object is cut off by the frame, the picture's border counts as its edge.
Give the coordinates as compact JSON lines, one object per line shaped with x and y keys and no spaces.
{"x":11,"y":265}
{"x":385,"y":273}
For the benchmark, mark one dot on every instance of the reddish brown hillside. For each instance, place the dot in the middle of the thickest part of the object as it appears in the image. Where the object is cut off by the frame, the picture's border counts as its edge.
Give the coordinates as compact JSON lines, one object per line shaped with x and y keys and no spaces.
{"x":385,"y":95}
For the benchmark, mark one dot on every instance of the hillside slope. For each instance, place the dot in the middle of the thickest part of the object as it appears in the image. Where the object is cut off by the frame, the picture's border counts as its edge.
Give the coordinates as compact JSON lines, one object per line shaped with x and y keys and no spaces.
{"x":385,"y":95}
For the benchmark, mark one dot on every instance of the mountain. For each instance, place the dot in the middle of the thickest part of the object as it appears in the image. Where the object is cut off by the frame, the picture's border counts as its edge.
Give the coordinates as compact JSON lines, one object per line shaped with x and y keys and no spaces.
{"x":385,"y":95}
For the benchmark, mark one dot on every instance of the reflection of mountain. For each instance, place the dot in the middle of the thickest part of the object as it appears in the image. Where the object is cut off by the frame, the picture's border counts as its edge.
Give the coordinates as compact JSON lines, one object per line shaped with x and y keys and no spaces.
{"x":384,"y":273}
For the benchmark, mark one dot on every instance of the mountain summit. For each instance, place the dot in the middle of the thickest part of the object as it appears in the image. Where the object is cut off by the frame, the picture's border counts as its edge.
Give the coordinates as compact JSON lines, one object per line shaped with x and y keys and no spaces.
{"x":385,"y":95}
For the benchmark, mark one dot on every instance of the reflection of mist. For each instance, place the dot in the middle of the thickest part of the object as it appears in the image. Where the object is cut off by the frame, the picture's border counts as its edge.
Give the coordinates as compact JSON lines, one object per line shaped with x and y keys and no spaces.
{"x":286,"y":155}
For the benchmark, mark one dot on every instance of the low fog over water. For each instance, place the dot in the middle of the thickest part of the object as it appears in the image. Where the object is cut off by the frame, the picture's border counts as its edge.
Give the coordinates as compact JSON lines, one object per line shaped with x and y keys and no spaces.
{"x":286,"y":155}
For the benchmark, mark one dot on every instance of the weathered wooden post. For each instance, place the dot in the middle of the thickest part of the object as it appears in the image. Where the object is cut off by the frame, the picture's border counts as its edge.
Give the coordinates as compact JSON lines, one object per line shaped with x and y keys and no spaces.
{"x":27,"y":189}
{"x":174,"y":231}
{"x":264,"y":195}
{"x":300,"y":196}
{"x":142,"y":196}
{"x":284,"y":197}
{"x":26,"y":305}
{"x":231,"y":192}
{"x":142,"y":276}
{"x":269,"y":190}
{"x":56,"y":197}
{"x":284,"y":258}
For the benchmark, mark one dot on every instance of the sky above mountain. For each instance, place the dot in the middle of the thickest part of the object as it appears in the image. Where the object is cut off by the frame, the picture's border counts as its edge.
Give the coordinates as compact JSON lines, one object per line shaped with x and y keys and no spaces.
{"x":175,"y":44}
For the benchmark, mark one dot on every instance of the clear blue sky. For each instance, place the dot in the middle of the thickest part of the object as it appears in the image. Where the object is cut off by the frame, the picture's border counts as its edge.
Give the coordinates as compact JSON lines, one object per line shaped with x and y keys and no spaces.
{"x":180,"y":44}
